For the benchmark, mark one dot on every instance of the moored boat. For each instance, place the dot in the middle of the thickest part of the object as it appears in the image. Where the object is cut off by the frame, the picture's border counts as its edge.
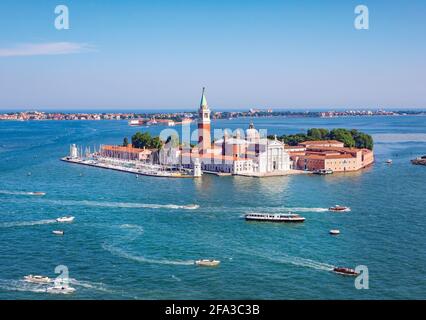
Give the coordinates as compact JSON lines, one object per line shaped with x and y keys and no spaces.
{"x":37,"y":279}
{"x":207,"y":263}
{"x":286,"y":217}
{"x":323,"y":171}
{"x":338,"y":208}
{"x":345,"y":271}
{"x":65,"y":219}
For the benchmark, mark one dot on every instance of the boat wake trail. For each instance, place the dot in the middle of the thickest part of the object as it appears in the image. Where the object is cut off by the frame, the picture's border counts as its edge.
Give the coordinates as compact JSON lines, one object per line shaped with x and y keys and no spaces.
{"x":123,"y":254}
{"x":22,"y":286}
{"x":297,"y":261}
{"x":90,"y":285}
{"x":122,"y":204}
{"x":18,"y":193}
{"x":280,"y":209}
{"x":25,"y":223}
{"x":134,"y":227}
{"x":308,"y":209}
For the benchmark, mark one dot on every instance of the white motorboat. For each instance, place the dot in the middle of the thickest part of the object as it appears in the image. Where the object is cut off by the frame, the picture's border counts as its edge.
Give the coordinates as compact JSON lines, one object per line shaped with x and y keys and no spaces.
{"x":58,"y":232}
{"x":61,"y":289}
{"x":65,"y":219}
{"x":334,"y":232}
{"x":389,"y":161}
{"x":191,"y":206}
{"x":269,"y":217}
{"x":38,"y":193}
{"x":37,"y":279}
{"x":207,"y":263}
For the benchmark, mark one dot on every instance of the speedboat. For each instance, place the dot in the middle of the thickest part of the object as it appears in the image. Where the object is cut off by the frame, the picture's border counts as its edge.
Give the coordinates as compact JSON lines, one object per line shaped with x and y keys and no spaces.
{"x":334,"y":232}
{"x":65,"y":219}
{"x":338,"y":208}
{"x":207,"y":263}
{"x":37,"y":279}
{"x":287,"y":217}
{"x":192,"y":206}
{"x":38,"y":193}
{"x":61,"y":289}
{"x":58,"y":232}
{"x":389,"y":161}
{"x":345,"y":271}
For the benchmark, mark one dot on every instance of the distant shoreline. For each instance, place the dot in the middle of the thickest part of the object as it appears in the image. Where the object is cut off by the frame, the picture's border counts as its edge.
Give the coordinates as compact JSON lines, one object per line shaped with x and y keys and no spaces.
{"x":179,"y":115}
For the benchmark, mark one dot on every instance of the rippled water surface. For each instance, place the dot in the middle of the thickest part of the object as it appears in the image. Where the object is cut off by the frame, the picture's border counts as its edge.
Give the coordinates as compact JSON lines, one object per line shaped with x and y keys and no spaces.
{"x":135,"y":239}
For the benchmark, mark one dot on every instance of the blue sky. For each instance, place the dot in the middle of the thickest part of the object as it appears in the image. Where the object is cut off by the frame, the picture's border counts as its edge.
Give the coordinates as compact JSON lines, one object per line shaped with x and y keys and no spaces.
{"x":159,"y":54}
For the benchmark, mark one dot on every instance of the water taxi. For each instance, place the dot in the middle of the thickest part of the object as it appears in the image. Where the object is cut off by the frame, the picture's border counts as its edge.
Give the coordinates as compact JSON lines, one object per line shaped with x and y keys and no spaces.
{"x":58,"y":232}
{"x":338,"y":208}
{"x":334,"y":232}
{"x":207,"y":263}
{"x":345,"y":271}
{"x":65,"y":219}
{"x":287,"y":217}
{"x":37,"y":279}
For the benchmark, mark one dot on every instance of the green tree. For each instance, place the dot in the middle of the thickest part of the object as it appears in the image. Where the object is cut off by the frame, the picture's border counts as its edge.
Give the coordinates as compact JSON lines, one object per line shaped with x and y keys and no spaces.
{"x":317,"y":134}
{"x":344,"y":136}
{"x":125,"y":142}
{"x":141,"y":140}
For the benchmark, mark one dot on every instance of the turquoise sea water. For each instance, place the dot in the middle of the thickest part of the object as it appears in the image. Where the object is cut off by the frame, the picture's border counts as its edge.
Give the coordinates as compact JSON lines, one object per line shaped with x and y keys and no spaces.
{"x":132,"y":239}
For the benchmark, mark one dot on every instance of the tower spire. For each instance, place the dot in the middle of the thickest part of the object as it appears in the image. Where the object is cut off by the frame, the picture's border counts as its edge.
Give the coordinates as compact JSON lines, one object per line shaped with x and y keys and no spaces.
{"x":203,"y":103}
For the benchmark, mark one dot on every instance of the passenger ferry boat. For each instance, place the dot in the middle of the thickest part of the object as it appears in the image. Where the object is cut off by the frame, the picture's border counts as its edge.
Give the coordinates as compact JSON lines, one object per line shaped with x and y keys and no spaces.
{"x":287,"y":217}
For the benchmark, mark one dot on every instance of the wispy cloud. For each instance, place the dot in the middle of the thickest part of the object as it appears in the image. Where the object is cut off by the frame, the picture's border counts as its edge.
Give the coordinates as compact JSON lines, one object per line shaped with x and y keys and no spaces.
{"x":42,"y":49}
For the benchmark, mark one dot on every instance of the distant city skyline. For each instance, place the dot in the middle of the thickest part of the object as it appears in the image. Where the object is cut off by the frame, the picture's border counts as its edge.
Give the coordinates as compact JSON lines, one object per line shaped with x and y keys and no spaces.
{"x":157,"y":55}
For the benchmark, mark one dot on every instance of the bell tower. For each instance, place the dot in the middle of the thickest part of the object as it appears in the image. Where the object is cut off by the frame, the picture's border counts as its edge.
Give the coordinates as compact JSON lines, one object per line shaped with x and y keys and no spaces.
{"x":204,"y":135}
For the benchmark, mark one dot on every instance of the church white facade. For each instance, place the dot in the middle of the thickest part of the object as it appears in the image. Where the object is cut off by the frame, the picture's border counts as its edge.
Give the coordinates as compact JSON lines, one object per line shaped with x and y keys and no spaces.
{"x":251,"y":155}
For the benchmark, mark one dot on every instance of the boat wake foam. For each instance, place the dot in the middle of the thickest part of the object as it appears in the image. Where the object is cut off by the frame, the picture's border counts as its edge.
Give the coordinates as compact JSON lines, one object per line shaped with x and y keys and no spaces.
{"x":284,"y":209}
{"x":129,"y":205}
{"x":25,"y":223}
{"x":123,"y":254}
{"x":308,"y":209}
{"x":22,"y":286}
{"x":134,"y":227}
{"x":18,"y":193}
{"x":297,"y":261}
{"x":90,"y":285}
